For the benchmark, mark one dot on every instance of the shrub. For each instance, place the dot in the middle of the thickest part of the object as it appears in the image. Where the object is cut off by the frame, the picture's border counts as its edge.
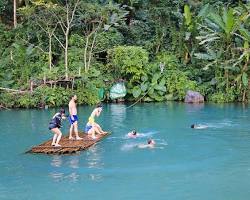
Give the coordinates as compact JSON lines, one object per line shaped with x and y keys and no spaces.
{"x":129,"y":62}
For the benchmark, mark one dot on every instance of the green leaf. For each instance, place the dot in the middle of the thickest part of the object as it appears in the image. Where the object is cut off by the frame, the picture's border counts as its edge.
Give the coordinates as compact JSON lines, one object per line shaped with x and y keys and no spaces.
{"x":229,"y":20}
{"x":148,"y":99}
{"x":144,"y":78}
{"x":161,"y":88}
{"x":156,"y":77}
{"x":203,"y":56}
{"x":204,"y":11}
{"x":29,"y":50}
{"x":245,"y":79}
{"x":144,"y":87}
{"x":162,"y":82}
{"x":245,"y":33}
{"x":187,"y":15}
{"x":217,"y":20}
{"x":169,"y":97}
{"x":136,"y":92}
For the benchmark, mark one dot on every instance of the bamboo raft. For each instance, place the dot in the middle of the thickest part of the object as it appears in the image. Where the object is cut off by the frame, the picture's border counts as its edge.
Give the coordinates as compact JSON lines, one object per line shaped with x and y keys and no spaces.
{"x":67,"y":146}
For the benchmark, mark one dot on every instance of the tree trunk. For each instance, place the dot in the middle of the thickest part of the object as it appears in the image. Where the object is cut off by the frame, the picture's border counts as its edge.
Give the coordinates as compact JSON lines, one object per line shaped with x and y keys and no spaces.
{"x":66,"y":54}
{"x":90,"y":52}
{"x":50,"y":52}
{"x":85,"y":54}
{"x":244,"y":95}
{"x":14,"y":14}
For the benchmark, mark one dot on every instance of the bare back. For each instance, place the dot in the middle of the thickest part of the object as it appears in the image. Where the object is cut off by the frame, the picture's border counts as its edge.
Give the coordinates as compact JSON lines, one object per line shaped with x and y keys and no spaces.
{"x":72,"y":107}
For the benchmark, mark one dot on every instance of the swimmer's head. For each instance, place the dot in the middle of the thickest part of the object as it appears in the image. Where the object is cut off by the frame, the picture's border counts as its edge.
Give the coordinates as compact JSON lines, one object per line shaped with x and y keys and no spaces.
{"x":134,"y":132}
{"x":151,"y":142}
{"x":192,"y":126}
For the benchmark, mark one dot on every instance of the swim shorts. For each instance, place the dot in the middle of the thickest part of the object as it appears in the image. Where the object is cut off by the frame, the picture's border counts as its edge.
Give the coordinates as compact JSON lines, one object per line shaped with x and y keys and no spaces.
{"x":87,"y":128}
{"x":51,"y":126}
{"x":75,"y":119}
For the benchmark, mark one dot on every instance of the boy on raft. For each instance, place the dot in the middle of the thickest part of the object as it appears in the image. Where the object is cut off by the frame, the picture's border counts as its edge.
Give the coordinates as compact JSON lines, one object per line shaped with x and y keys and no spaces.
{"x":55,"y":125}
{"x":92,"y":128}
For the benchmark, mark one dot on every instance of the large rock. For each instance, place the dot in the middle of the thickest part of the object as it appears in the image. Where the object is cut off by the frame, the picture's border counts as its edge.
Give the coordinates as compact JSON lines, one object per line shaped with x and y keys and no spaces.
{"x":193,"y":97}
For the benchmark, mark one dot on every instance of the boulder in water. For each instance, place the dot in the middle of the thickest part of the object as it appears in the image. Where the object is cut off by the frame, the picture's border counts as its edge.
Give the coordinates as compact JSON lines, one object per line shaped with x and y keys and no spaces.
{"x":193,"y":97}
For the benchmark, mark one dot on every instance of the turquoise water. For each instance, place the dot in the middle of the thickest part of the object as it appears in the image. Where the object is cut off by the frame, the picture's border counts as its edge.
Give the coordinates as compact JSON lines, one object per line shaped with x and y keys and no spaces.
{"x":186,"y":164}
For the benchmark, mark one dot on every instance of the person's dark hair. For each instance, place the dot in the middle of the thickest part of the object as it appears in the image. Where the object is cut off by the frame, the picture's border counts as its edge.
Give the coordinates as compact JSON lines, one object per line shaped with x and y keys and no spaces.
{"x":192,"y":126}
{"x":149,"y":141}
{"x":99,"y":105}
{"x":134,"y":132}
{"x":72,"y":95}
{"x":62,"y":111}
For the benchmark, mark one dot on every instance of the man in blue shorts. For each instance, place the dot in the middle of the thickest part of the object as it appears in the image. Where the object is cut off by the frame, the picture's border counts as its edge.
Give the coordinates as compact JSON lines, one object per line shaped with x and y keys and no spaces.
{"x":73,"y":118}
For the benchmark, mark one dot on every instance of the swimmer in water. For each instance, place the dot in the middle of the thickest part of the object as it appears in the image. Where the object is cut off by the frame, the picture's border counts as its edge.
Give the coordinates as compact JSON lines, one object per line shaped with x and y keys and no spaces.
{"x":133,"y":134}
{"x":197,"y":126}
{"x":150,"y":144}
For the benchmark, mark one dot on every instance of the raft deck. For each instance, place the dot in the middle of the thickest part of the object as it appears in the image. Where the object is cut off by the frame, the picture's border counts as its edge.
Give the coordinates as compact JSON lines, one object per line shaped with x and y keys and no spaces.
{"x":67,"y":146}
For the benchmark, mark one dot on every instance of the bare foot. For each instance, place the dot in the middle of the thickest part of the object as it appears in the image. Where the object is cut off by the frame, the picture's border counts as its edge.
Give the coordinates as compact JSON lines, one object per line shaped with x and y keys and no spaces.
{"x":79,"y":138}
{"x":57,"y":145}
{"x":71,"y":138}
{"x":53,"y":144}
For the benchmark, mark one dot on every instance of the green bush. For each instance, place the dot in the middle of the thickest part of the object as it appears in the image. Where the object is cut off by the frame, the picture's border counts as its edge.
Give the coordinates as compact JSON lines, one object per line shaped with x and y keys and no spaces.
{"x":27,"y":101}
{"x":178,"y":83}
{"x":223,"y":97}
{"x":129,"y":62}
{"x":8,"y":100}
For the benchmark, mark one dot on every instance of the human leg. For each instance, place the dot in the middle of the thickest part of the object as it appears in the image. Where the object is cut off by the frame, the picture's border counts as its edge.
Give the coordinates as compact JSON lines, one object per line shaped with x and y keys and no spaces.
{"x":92,"y":133}
{"x":100,"y":131}
{"x":57,"y":137}
{"x":76,"y":131}
{"x":70,"y":132}
{"x":54,"y":139}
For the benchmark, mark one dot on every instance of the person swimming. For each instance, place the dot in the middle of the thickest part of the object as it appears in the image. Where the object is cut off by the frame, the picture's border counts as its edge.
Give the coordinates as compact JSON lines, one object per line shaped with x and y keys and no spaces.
{"x":133,"y":134}
{"x":150,"y":144}
{"x":198,"y":126}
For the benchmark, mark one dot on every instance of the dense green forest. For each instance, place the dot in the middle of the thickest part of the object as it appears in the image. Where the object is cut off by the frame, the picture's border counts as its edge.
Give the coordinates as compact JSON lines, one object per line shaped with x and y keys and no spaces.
{"x":158,"y":48}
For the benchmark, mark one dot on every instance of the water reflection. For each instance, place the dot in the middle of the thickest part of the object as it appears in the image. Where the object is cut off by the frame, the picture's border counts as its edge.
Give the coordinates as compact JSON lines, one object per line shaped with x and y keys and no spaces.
{"x":95,"y":177}
{"x":194,"y":107}
{"x":74,"y":162}
{"x":56,"y":161}
{"x":95,"y":161}
{"x":59,"y":176}
{"x":94,"y":158}
{"x":118,"y":114}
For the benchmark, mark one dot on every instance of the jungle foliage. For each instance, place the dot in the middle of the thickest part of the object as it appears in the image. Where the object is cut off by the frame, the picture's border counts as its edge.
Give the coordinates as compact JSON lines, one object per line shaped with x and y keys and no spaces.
{"x":160,"y":49}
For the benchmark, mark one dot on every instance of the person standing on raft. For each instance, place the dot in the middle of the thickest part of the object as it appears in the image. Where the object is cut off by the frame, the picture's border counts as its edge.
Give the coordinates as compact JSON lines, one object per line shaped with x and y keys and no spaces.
{"x":92,"y":127}
{"x":54,"y":126}
{"x":73,"y":118}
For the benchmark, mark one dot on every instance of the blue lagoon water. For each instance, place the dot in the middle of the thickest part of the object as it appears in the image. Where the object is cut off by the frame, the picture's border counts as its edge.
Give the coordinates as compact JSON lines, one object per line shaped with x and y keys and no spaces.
{"x":209,"y":164}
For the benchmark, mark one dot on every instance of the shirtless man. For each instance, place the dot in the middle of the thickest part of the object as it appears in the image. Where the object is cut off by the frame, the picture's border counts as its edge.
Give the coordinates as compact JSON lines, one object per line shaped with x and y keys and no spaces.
{"x":73,"y":118}
{"x":92,"y":127}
